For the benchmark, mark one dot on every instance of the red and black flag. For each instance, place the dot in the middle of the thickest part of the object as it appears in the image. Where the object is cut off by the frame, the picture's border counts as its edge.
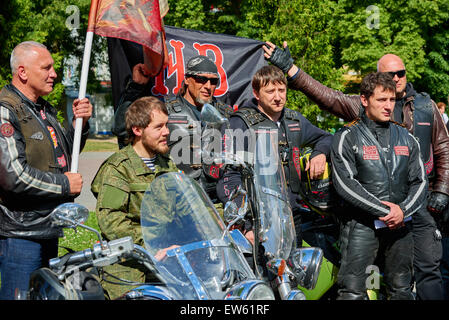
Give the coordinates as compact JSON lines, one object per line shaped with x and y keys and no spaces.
{"x":139,"y":21}
{"x":237,"y":60}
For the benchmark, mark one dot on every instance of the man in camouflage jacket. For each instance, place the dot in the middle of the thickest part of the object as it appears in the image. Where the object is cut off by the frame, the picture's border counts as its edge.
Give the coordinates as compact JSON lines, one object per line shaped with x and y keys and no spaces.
{"x":121,"y":181}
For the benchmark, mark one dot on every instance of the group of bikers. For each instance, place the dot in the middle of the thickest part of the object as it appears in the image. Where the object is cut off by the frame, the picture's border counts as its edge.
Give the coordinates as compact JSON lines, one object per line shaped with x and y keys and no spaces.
{"x":390,"y":165}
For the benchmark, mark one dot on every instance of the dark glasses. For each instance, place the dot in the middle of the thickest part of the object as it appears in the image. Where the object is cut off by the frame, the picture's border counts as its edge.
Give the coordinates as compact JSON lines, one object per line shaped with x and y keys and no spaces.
{"x":400,"y":73}
{"x":203,"y":79}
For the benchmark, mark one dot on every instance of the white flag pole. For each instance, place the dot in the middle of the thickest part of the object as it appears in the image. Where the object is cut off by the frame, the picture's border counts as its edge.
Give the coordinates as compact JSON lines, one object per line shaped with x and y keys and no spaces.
{"x":81,"y":95}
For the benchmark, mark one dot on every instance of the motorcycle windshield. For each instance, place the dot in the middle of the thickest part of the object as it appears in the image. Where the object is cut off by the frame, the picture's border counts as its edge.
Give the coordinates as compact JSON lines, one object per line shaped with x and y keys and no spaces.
{"x":277,"y":231}
{"x":183,"y":231}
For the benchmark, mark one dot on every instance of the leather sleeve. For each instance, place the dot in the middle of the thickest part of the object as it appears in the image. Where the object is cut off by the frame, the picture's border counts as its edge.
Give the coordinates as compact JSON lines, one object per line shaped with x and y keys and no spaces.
{"x":336,"y":102}
{"x":440,"y":144}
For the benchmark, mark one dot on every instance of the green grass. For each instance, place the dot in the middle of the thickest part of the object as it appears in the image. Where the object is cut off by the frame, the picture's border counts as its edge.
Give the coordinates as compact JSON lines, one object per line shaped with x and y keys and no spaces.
{"x":80,"y":238}
{"x":98,"y":145}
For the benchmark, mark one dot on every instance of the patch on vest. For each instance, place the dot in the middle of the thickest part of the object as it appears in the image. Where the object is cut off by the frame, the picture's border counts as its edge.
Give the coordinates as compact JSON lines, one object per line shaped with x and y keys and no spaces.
{"x":177,"y":119}
{"x":61,"y":161}
{"x":296,"y":161}
{"x":401,"y":151}
{"x":429,"y":164}
{"x":214,"y":171}
{"x":7,"y":130}
{"x":37,"y":136}
{"x":423,"y":123}
{"x":370,"y":153}
{"x":294,"y":127}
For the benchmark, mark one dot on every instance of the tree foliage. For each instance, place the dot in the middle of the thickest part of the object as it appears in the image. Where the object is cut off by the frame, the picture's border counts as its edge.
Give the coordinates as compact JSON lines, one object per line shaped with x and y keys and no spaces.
{"x":326,"y":37}
{"x":48,"y":22}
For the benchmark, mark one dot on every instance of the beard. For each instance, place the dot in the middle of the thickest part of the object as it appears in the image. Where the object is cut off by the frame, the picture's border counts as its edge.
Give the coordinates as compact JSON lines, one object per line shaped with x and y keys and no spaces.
{"x":400,"y":94}
{"x":155,"y":148}
{"x":203,"y":101}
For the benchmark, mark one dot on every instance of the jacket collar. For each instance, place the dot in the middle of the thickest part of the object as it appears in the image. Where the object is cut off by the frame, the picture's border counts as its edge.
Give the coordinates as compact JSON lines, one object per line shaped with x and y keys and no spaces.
{"x":141,"y":168}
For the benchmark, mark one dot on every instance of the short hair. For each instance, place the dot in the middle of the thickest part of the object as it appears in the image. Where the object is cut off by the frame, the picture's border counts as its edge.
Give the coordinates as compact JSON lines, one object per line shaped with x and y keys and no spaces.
{"x":18,"y":50}
{"x":139,"y":114}
{"x":266,"y":75}
{"x":441,"y":105}
{"x":372,"y":80}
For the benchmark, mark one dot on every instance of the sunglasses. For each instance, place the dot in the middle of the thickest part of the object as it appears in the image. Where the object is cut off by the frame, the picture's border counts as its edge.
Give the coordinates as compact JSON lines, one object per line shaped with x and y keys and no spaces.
{"x":203,"y":79}
{"x":400,"y":73}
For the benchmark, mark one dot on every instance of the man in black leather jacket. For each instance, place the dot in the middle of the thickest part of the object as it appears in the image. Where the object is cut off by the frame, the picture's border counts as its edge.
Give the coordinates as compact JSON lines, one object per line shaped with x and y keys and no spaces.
{"x":35,"y":154}
{"x":201,"y":80}
{"x":378,"y":170}
{"x":420,"y":115}
{"x":267,"y":111}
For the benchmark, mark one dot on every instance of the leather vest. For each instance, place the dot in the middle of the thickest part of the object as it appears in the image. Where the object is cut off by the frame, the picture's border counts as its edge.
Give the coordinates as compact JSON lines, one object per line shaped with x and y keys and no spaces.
{"x":39,"y":145}
{"x":423,"y":128}
{"x":185,"y":135}
{"x":289,"y":148}
{"x":382,"y":172}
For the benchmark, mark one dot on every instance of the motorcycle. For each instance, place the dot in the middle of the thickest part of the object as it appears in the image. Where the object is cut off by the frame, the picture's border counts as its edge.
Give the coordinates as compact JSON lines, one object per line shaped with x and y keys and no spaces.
{"x":265,"y":202}
{"x":187,"y":247}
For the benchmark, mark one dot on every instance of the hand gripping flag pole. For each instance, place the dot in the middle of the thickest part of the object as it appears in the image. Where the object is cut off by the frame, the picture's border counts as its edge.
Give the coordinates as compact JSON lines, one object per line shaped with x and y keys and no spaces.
{"x":140,"y":22}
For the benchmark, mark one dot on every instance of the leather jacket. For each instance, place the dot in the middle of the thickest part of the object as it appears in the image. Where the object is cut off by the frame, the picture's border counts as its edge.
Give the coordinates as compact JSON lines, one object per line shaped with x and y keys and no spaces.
{"x":348,"y":107}
{"x":28,"y":194}
{"x":390,"y":169}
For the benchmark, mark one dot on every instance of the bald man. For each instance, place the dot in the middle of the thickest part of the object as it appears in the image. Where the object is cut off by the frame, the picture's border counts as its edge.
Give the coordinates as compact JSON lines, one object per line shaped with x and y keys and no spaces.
{"x":35,"y":176}
{"x":421,"y":117}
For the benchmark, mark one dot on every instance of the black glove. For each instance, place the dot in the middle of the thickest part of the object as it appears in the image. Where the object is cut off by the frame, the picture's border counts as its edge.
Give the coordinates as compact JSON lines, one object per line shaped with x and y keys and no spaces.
{"x":437,"y":202}
{"x":282,"y":59}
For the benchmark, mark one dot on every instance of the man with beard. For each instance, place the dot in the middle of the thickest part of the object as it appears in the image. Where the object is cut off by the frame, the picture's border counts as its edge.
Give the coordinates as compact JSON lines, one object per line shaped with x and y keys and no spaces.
{"x":201,"y":80}
{"x":421,"y":117}
{"x":122,"y":179}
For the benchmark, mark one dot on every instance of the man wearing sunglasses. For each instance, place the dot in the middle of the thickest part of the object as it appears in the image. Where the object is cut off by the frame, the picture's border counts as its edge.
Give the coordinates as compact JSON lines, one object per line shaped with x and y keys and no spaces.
{"x":200,"y":81}
{"x":421,"y":117}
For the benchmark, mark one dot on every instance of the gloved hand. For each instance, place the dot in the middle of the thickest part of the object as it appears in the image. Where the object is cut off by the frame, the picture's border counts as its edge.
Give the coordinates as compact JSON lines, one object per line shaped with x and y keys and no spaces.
{"x":437,"y":202}
{"x":282,"y":58}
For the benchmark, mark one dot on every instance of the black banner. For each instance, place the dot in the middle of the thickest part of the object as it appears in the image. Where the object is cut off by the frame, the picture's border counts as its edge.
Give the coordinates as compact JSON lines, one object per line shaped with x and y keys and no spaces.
{"x":237,"y":60}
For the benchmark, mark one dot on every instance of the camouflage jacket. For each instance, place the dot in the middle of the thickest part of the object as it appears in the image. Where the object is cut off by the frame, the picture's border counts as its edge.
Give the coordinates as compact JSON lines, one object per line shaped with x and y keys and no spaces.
{"x":119,"y":187}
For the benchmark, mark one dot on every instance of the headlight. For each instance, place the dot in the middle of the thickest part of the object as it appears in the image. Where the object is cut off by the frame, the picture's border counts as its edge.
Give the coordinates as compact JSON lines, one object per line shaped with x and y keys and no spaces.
{"x":296,"y":295}
{"x":306,"y":264}
{"x":250,"y":290}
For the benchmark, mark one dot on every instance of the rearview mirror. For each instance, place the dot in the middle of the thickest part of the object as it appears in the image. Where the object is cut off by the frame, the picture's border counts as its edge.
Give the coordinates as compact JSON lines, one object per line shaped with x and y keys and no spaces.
{"x":69,"y":215}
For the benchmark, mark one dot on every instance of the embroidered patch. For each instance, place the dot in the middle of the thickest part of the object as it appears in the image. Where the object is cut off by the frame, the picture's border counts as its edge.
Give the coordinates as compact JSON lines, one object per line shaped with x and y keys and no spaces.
{"x":296,"y":161}
{"x":7,"y":130}
{"x":401,"y":151}
{"x":370,"y":153}
{"x":429,"y":164}
{"x":43,"y":115}
{"x":214,"y":171}
{"x":178,"y":121}
{"x":423,"y":123}
{"x":53,"y":136}
{"x":62,"y":162}
{"x":37,"y":136}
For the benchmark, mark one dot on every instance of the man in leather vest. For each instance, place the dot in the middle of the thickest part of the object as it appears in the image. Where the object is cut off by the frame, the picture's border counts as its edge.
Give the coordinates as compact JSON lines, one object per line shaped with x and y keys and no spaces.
{"x":267,"y":111}
{"x":379,"y":172}
{"x":35,"y":155}
{"x":201,"y":80}
{"x":421,"y":117}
